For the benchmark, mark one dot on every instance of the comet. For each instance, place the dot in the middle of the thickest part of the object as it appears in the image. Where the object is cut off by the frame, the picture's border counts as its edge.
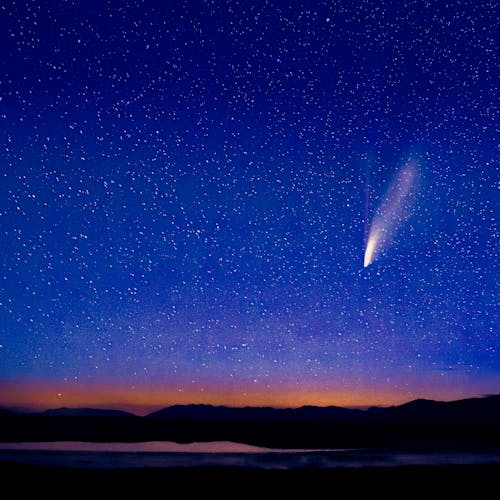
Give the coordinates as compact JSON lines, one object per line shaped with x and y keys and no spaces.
{"x":393,"y":211}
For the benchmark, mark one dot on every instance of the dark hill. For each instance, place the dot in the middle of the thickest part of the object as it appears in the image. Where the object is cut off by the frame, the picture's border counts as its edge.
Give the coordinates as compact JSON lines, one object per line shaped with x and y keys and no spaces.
{"x":262,"y":414}
{"x":473,"y":410}
{"x":85,"y":412}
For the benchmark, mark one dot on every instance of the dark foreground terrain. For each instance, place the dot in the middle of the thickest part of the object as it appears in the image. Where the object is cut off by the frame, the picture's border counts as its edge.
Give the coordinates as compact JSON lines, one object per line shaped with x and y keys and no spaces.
{"x":454,"y":482}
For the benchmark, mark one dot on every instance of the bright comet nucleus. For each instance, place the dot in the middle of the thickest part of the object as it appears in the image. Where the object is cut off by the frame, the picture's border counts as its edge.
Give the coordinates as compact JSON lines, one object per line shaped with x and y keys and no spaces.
{"x":370,"y":248}
{"x":394,"y":209}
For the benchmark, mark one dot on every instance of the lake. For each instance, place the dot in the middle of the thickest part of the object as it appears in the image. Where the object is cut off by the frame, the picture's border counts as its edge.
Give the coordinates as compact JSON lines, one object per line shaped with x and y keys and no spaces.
{"x":161,"y":454}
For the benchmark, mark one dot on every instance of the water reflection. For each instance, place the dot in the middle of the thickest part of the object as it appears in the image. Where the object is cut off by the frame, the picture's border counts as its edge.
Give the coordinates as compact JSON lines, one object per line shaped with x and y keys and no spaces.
{"x":221,"y":454}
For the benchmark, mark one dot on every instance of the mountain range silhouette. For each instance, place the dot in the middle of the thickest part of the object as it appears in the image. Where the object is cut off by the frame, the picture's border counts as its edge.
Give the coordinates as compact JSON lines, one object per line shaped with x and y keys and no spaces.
{"x":471,"y":422}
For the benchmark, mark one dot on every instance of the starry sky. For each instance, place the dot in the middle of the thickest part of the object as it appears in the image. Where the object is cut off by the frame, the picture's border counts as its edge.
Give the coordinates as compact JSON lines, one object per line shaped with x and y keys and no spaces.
{"x":187,"y":189}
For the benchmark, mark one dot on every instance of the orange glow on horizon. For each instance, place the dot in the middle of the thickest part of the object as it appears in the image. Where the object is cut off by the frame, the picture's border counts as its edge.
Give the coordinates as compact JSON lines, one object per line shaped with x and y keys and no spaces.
{"x":142,"y":400}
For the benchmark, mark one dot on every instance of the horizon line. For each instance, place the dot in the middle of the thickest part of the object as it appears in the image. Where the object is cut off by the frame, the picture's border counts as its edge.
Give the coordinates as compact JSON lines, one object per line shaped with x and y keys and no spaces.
{"x":114,"y":407}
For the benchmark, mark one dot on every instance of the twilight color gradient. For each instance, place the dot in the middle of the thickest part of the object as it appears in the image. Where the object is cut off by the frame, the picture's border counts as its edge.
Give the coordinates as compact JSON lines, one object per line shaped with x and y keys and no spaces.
{"x":186,"y":187}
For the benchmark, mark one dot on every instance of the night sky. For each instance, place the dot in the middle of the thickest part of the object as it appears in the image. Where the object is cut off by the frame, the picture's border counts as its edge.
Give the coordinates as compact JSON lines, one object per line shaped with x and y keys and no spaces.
{"x":188,"y":190}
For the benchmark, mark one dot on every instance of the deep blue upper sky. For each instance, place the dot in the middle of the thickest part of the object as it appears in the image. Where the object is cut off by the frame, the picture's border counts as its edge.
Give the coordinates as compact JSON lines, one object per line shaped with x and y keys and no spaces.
{"x":186,"y":189}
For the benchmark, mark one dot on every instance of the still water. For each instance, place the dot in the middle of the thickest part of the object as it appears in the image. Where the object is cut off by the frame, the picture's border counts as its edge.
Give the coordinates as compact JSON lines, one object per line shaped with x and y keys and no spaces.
{"x":221,"y":454}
